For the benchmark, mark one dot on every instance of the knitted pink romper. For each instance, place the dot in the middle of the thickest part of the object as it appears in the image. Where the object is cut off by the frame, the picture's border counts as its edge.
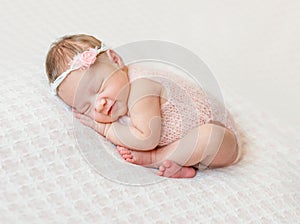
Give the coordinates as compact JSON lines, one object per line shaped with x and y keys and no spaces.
{"x":187,"y":106}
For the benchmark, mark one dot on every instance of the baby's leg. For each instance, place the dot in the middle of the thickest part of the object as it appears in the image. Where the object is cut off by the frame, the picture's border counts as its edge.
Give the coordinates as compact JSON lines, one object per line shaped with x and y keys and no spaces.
{"x":144,"y":158}
{"x":167,"y":168}
{"x":211,"y":144}
{"x":153,"y":158}
{"x":174,"y":170}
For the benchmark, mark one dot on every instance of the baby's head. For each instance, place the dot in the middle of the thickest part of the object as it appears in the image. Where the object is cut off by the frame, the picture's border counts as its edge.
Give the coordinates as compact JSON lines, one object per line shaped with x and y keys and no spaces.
{"x":88,"y":76}
{"x":63,"y":51}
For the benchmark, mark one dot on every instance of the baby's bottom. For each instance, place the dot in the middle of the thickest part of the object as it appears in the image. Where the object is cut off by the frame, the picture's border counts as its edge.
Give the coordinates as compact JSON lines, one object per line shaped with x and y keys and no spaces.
{"x":210,"y":145}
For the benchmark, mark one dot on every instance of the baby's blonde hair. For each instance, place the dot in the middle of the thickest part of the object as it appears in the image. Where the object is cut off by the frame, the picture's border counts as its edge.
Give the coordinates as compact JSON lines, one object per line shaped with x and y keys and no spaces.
{"x":63,"y":50}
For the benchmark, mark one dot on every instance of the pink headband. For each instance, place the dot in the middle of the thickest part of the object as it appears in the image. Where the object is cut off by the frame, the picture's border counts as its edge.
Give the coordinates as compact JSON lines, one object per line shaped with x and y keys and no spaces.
{"x":80,"y":61}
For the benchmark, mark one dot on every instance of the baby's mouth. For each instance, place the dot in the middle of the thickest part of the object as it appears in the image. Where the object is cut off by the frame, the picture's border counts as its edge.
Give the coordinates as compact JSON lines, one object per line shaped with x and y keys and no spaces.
{"x":110,"y":109}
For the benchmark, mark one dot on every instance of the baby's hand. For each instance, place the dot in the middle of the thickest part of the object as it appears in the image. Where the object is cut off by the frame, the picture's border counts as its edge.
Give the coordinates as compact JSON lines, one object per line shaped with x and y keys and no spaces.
{"x":87,"y":121}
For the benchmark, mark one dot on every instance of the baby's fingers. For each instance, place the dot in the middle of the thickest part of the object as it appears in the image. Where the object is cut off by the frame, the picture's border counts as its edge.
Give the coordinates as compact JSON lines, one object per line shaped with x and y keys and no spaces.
{"x":77,"y":114}
{"x":84,"y":119}
{"x":87,"y":122}
{"x":81,"y":116}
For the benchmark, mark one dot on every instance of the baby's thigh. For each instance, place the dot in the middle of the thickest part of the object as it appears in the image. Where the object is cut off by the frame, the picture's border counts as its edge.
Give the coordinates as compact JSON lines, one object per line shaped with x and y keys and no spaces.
{"x":209,"y":144}
{"x":221,"y":146}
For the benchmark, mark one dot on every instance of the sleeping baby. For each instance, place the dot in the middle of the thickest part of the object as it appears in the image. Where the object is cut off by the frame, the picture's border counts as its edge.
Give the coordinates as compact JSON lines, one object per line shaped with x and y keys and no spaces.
{"x":155,"y":119}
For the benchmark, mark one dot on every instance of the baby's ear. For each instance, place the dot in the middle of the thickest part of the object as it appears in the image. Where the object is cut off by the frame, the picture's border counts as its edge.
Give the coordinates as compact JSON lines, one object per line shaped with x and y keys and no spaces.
{"x":115,"y":58}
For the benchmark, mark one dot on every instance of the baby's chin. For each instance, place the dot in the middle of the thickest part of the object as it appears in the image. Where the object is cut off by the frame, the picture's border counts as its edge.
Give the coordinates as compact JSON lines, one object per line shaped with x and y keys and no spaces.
{"x":116,"y":117}
{"x":122,"y":111}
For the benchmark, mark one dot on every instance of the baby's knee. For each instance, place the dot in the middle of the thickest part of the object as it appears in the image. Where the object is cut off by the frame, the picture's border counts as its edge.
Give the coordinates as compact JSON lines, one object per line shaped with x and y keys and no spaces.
{"x":220,"y":145}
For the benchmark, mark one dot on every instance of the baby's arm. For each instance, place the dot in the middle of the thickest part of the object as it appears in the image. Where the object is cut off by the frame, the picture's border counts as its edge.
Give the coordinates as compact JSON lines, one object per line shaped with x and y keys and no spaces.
{"x":144,"y":110}
{"x":130,"y":137}
{"x":143,"y":135}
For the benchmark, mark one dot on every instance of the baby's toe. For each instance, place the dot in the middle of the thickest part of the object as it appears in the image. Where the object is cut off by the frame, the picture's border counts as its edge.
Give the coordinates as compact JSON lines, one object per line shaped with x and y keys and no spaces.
{"x":160,"y":173}
{"x":167,"y":164}
{"x":124,"y":151}
{"x":120,"y":148}
{"x":127,"y":156}
{"x":130,"y":160}
{"x":162,"y":168}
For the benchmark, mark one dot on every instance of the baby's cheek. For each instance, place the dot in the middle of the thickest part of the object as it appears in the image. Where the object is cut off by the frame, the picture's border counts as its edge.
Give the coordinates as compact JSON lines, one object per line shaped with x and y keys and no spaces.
{"x":123,"y":111}
{"x":97,"y":116}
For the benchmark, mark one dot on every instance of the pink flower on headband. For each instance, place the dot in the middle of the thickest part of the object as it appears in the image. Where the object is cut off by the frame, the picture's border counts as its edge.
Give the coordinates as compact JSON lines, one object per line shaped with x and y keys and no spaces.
{"x":84,"y":59}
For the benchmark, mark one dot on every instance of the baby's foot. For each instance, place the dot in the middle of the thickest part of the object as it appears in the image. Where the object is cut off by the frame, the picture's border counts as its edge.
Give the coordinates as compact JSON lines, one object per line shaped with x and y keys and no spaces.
{"x":143,"y":158}
{"x":172,"y":169}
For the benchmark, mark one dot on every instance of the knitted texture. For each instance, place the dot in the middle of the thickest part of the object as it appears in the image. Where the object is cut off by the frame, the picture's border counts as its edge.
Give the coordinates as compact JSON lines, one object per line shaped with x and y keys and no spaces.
{"x":188,"y":106}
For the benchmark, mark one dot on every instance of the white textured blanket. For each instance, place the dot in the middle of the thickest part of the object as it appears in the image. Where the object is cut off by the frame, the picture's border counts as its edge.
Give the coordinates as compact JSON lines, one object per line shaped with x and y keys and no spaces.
{"x":45,"y":179}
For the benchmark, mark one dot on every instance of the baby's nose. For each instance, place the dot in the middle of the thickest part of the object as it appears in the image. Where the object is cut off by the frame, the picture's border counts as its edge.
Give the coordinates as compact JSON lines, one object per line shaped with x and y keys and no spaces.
{"x":100,"y":104}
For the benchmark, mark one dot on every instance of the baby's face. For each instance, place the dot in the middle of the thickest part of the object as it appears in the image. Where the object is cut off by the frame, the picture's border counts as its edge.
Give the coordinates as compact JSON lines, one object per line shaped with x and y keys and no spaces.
{"x":101,"y":91}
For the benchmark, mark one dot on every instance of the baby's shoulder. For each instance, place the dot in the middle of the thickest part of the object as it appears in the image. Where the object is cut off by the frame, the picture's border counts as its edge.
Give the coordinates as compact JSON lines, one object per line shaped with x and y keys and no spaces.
{"x":144,"y":86}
